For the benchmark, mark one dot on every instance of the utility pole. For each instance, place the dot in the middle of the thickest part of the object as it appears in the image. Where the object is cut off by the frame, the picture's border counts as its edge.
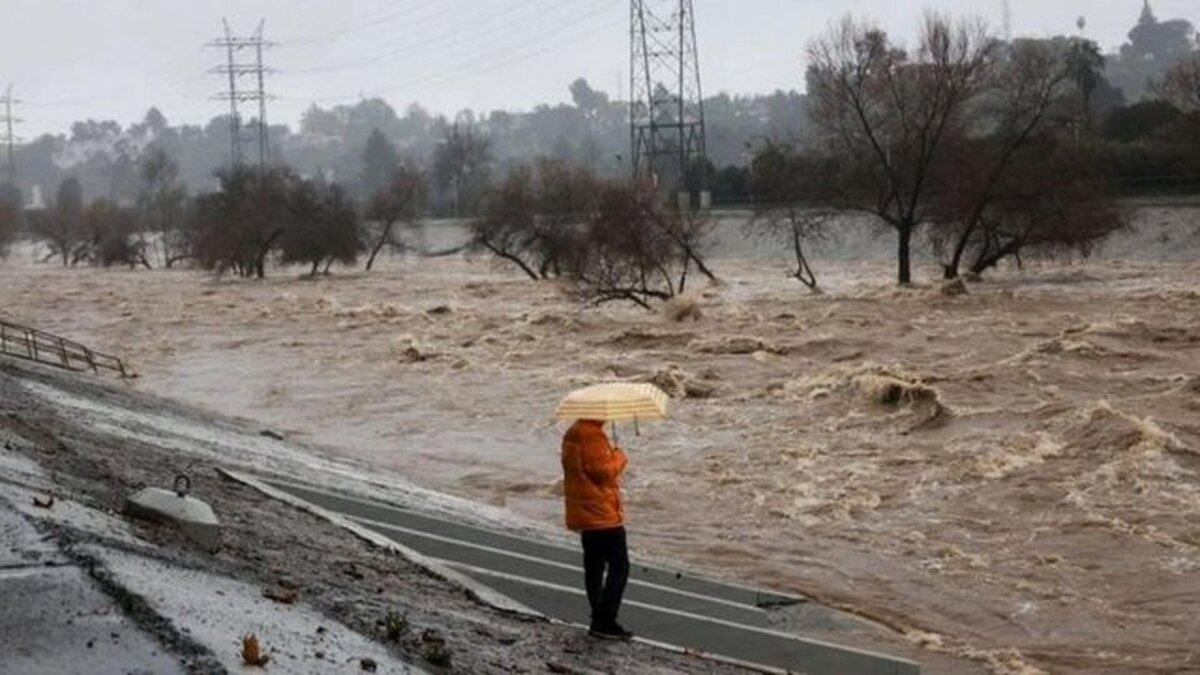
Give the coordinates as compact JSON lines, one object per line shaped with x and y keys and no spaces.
{"x":8,"y":138}
{"x":235,"y":68}
{"x":666,"y":125}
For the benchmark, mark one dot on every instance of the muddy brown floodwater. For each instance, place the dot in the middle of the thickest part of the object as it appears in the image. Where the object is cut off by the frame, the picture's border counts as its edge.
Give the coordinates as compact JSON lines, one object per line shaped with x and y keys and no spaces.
{"x":1009,"y":475}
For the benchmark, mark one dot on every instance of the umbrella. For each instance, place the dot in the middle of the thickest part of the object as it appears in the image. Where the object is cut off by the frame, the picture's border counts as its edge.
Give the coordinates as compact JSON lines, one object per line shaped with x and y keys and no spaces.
{"x":614,"y":402}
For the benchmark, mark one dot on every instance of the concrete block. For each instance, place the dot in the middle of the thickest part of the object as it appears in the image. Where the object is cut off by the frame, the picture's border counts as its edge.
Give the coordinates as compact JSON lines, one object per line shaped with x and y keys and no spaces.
{"x":192,"y":516}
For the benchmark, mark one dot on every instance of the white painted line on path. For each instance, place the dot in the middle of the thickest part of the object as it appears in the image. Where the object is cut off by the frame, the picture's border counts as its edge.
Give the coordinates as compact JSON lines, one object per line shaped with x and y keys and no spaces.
{"x":471,"y":570}
{"x":549,"y":563}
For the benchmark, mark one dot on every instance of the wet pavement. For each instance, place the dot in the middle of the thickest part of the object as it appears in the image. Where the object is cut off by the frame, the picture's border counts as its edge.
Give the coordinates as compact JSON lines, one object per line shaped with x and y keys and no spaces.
{"x":55,"y":620}
{"x":661,"y":605}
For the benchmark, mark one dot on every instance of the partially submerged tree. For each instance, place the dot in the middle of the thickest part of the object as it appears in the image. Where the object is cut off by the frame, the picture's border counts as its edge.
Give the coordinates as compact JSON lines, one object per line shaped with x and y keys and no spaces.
{"x":628,"y":253}
{"x":258,"y":213}
{"x":786,"y":184}
{"x":60,"y":227}
{"x":1058,"y":205}
{"x":112,"y":236}
{"x":161,"y":206}
{"x":534,"y":217}
{"x":322,"y":229}
{"x":612,"y":240}
{"x":886,"y":115}
{"x":400,"y":202}
{"x":1013,"y":126}
{"x":239,"y":226}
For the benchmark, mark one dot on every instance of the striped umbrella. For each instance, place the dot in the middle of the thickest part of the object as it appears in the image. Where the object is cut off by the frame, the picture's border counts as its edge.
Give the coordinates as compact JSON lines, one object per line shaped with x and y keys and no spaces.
{"x":614,"y":402}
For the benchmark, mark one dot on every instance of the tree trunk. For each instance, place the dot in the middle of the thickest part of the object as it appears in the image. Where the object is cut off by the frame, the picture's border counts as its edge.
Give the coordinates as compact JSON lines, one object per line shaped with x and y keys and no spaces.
{"x":904,"y":252}
{"x":804,"y":273}
{"x":383,"y":238}
{"x":513,"y":259}
{"x":312,"y":274}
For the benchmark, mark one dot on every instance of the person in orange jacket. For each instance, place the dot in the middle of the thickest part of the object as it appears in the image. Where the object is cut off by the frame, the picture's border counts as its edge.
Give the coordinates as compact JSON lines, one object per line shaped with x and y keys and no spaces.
{"x":591,"y":467}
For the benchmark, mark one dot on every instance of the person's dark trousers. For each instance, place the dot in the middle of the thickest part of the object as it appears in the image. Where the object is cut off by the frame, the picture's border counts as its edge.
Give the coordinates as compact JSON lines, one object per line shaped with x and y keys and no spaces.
{"x":605,"y":551}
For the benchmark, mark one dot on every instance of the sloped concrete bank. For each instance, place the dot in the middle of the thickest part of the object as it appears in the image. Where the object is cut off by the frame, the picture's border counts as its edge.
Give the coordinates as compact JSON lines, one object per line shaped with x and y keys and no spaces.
{"x":316,"y":597}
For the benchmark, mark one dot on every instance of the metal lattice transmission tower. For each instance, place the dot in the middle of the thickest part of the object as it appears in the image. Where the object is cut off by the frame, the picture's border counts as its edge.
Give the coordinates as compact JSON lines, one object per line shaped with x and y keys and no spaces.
{"x":666,"y":99}
{"x":7,"y":137}
{"x":244,"y":60}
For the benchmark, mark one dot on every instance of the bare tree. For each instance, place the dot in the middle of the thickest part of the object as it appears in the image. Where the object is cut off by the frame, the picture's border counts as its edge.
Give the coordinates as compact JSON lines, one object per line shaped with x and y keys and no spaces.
{"x":61,"y":226}
{"x":1058,"y":204}
{"x":887,"y":114}
{"x":628,"y":254}
{"x":786,"y":184}
{"x":160,"y":205}
{"x":566,"y":200}
{"x":506,"y":227}
{"x":1013,"y":124}
{"x":401,"y":201}
{"x":534,"y":218}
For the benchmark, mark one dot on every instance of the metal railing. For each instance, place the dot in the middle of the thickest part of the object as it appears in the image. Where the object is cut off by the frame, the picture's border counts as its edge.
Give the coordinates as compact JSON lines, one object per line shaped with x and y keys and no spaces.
{"x":32,"y":344}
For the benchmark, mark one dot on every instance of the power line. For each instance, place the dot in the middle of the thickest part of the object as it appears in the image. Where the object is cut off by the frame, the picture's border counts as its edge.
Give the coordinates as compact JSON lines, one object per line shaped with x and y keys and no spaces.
{"x":370,"y":22}
{"x":8,"y":138}
{"x":484,"y":60}
{"x":453,"y":38}
{"x":236,"y":69}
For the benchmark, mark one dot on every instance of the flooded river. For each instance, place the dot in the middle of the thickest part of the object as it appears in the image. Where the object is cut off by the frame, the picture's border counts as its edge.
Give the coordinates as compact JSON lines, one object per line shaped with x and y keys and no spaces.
{"x":1010,"y":475}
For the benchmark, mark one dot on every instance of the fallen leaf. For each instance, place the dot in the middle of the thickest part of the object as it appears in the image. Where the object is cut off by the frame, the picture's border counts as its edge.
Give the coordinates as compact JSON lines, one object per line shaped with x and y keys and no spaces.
{"x":252,"y":652}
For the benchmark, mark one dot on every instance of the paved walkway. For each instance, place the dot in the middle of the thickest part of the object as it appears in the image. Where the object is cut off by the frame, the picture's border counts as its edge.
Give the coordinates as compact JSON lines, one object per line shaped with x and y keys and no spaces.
{"x":660,"y":605}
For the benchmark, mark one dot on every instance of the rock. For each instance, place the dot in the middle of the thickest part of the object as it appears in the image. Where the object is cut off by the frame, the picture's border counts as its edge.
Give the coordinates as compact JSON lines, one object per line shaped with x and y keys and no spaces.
{"x":194,"y":518}
{"x":368,"y":665}
{"x":440,"y":310}
{"x":273,"y":435}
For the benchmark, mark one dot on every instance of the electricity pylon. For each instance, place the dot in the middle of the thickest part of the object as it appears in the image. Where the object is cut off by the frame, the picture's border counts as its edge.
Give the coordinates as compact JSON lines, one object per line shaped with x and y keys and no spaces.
{"x":237,"y":68}
{"x":666,"y":99}
{"x":8,"y":138}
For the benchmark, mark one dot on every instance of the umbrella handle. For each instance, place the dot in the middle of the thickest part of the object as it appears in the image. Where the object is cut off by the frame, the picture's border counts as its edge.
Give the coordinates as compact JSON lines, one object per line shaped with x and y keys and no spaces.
{"x":616,"y":441}
{"x":636,"y":430}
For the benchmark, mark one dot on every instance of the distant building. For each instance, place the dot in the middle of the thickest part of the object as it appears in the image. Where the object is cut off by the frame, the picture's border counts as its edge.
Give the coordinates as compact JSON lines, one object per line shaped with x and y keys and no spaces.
{"x":1153,"y":47}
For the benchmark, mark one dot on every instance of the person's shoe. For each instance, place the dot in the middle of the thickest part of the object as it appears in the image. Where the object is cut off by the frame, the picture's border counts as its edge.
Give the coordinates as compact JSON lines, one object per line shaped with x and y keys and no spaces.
{"x":612,"y":631}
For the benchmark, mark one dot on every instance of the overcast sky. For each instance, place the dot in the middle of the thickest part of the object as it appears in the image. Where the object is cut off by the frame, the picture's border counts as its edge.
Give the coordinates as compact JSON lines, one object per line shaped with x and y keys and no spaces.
{"x":112,"y":59}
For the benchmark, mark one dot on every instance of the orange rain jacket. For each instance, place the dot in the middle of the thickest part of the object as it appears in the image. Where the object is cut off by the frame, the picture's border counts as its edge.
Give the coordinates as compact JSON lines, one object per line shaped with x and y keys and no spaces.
{"x":591,"y":466}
